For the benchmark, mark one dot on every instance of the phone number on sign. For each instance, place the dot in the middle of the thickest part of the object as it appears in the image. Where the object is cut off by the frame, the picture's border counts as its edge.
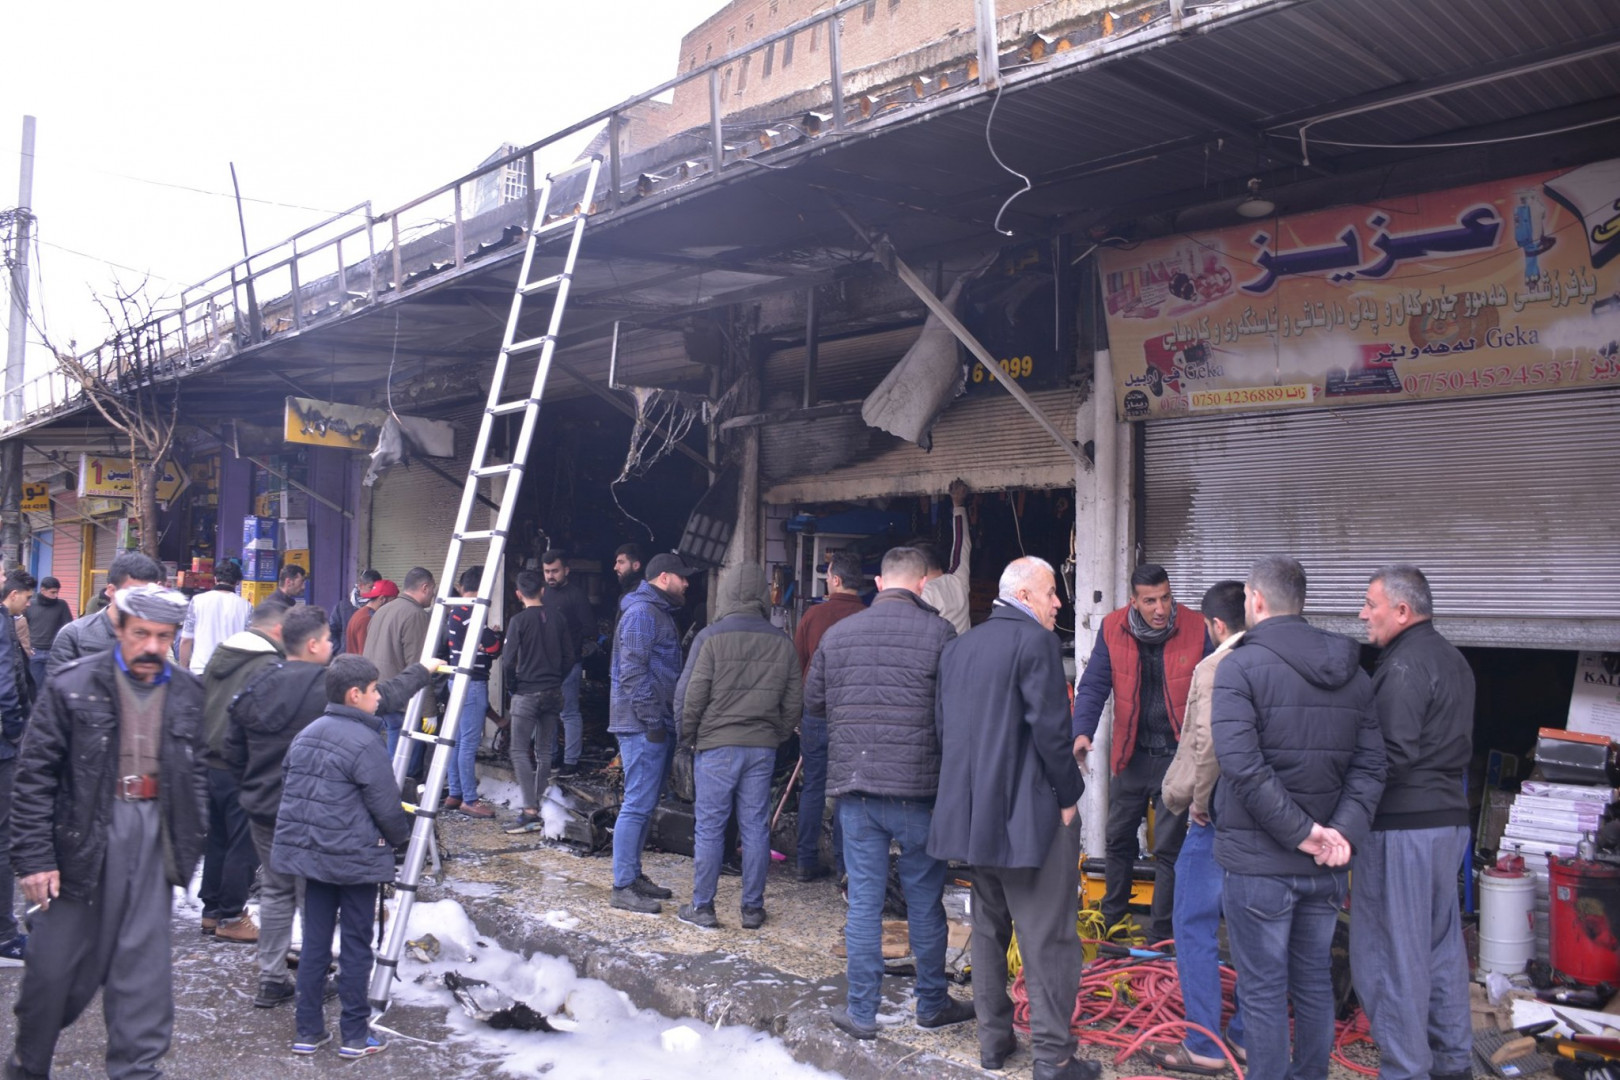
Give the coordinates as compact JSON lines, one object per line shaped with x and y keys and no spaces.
{"x":1488,"y":378}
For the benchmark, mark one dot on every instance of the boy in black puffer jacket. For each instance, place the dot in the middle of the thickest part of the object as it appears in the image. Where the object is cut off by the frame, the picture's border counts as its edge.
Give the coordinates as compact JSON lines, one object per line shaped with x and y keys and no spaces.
{"x":339,"y":824}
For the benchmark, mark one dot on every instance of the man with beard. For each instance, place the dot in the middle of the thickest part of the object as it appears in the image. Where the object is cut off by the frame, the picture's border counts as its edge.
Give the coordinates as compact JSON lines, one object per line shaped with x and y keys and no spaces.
{"x":96,"y":632}
{"x":47,"y":614}
{"x":107,"y":819}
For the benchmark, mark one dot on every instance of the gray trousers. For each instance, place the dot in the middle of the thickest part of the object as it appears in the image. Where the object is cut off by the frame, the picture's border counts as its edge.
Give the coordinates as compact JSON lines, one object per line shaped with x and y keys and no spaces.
{"x":534,"y":727}
{"x":1129,"y":792}
{"x":281,"y":896}
{"x":1043,"y":905}
{"x":119,"y":945}
{"x":1407,"y":958}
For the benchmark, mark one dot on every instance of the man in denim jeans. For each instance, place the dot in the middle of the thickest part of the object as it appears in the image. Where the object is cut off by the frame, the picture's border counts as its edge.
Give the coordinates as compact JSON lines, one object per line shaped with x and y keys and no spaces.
{"x":874,"y":679}
{"x":646,"y":666}
{"x":1188,"y":785}
{"x":463,"y":771}
{"x":1302,"y":767}
{"x":737,"y":701}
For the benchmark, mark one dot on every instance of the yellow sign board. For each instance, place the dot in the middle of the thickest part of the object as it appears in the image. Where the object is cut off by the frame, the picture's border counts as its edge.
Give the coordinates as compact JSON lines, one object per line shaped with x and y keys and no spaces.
{"x":113,"y":478}
{"x":36,"y":498}
{"x":330,"y":423}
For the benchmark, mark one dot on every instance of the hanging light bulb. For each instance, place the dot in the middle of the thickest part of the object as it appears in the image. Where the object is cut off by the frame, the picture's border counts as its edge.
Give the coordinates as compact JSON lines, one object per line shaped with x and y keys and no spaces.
{"x":1255,"y":206}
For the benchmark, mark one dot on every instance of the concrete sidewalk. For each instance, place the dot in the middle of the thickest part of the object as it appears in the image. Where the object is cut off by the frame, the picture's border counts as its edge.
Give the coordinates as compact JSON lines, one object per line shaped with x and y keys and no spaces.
{"x":533,"y":895}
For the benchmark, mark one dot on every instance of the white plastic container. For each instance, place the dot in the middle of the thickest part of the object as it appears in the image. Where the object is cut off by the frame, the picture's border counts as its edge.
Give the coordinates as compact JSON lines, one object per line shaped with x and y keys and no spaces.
{"x":1507,"y":920}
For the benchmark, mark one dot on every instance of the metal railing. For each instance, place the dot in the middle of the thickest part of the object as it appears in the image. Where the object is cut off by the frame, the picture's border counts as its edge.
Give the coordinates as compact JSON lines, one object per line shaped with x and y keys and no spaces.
{"x":215,"y":318}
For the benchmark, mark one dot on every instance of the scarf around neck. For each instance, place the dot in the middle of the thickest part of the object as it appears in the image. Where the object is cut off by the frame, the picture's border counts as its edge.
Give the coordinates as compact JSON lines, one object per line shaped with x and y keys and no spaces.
{"x":1141,"y":631}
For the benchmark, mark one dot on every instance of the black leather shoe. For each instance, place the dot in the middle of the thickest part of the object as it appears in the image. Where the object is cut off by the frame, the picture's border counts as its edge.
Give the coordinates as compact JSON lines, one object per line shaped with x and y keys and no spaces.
{"x":699,"y":915}
{"x":630,"y":900}
{"x":812,"y":873}
{"x":643,"y":887}
{"x":996,"y":1060}
{"x":850,"y":1026}
{"x":955,"y":1011}
{"x":731,"y":868}
{"x":1073,"y":1069}
{"x":753,"y":918}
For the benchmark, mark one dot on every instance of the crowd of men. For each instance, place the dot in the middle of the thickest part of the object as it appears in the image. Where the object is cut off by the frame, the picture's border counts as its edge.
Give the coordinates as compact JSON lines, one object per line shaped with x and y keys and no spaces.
{"x":157,"y":733}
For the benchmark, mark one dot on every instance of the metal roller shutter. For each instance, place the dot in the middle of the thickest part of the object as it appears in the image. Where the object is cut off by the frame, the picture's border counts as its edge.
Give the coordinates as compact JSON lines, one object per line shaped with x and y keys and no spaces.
{"x":986,"y":439}
{"x":1509,"y":505}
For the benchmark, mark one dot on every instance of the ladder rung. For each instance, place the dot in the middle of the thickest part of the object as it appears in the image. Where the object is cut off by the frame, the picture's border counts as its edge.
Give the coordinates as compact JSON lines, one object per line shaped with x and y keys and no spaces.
{"x":506,"y":408}
{"x":546,"y":283}
{"x":479,"y":534}
{"x":565,"y":222}
{"x":528,"y":344}
{"x":422,"y":736}
{"x":496,"y":470}
{"x":463,"y":601}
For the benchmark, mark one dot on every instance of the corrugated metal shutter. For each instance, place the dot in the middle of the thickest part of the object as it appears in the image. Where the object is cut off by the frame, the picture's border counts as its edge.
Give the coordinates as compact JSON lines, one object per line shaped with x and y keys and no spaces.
{"x":986,"y":439}
{"x":106,"y":550}
{"x":1507,"y":504}
{"x":846,"y":368}
{"x":413,"y":510}
{"x":66,"y":547}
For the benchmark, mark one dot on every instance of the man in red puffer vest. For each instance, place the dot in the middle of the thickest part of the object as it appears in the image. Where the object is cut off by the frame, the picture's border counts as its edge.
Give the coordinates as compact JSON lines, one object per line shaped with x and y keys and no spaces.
{"x":1144,"y":658}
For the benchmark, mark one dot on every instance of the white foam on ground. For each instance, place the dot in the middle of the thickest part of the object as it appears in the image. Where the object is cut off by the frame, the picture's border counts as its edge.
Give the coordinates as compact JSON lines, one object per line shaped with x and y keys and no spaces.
{"x":614,"y":1038}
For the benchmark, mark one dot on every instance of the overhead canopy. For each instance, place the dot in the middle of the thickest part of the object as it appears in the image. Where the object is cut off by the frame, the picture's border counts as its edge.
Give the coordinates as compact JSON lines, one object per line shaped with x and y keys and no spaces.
{"x":1155,"y":125}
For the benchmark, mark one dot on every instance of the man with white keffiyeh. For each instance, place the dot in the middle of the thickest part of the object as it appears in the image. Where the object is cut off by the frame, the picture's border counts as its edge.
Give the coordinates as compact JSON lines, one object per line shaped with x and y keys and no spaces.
{"x":1144,"y":659}
{"x":108,"y":814}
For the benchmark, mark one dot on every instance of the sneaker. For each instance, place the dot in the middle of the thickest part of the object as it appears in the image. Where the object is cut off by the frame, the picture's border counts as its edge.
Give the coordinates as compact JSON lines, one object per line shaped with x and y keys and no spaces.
{"x":373,"y":1045}
{"x":851,"y":1026}
{"x":753,"y":918}
{"x":630,"y":900}
{"x":699,"y":915}
{"x":451,"y":802}
{"x":238,"y":931}
{"x":643,"y":887}
{"x":475,"y":809}
{"x":273,"y":992}
{"x":11,"y":953}
{"x":209,"y":925}
{"x":309,"y":1046}
{"x":812,"y":873}
{"x":527,"y":822}
{"x":956,"y":1011}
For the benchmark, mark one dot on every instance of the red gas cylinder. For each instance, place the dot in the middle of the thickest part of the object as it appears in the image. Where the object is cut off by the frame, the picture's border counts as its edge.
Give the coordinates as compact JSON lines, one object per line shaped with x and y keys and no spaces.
{"x":1585,"y":920}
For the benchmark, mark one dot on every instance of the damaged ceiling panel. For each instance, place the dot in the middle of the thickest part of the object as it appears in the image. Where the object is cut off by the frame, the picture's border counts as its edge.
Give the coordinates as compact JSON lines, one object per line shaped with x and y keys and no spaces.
{"x":988,"y":441}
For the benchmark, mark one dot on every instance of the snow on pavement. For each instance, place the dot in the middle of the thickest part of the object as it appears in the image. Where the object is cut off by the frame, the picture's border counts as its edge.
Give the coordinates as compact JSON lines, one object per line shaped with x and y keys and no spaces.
{"x":614,"y":1038}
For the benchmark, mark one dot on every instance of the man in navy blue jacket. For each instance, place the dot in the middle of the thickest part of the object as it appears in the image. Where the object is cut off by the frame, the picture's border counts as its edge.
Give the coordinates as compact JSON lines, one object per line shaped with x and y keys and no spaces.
{"x":1302,"y":766}
{"x":646,"y":667}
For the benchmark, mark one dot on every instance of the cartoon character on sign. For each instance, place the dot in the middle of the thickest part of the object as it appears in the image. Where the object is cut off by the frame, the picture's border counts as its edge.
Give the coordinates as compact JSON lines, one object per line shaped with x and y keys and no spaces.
{"x":1530,"y":233}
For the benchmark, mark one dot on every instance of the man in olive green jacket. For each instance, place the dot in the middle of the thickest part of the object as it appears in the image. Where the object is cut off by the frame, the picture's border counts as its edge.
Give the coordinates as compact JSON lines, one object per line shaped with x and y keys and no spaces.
{"x":737,"y":701}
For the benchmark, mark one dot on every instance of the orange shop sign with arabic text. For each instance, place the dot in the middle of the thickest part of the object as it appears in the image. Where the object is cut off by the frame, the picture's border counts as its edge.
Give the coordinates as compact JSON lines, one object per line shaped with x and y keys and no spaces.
{"x":1499,"y":288}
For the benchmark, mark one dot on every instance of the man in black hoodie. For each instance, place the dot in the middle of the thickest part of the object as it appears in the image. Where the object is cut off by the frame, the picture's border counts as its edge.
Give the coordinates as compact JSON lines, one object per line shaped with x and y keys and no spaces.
{"x":267,"y":714}
{"x":230,"y":860}
{"x":1410,"y":967}
{"x":1302,"y":767}
{"x":47,"y":613}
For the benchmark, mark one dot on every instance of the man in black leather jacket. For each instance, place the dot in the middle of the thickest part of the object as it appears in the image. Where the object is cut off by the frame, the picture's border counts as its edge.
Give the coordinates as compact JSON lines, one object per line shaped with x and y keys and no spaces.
{"x":108,"y":814}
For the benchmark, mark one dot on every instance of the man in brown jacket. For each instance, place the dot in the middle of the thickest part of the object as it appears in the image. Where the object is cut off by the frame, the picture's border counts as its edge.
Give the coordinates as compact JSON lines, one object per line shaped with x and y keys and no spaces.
{"x":1188,"y":785}
{"x":394,"y":642}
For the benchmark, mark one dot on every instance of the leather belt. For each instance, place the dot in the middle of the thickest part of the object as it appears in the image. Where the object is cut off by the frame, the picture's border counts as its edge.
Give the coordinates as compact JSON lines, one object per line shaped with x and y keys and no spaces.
{"x":136,"y":788}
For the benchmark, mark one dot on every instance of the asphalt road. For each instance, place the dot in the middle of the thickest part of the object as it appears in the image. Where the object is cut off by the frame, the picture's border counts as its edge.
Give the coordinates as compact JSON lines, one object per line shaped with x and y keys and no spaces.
{"x":219,"y":1035}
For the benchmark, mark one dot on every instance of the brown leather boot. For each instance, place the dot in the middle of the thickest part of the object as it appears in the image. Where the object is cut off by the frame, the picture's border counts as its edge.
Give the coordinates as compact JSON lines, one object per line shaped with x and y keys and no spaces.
{"x":239,"y":931}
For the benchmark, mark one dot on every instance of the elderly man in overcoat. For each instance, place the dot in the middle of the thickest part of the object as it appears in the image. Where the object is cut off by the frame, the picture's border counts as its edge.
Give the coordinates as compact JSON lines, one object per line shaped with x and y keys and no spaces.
{"x":1009,"y":790}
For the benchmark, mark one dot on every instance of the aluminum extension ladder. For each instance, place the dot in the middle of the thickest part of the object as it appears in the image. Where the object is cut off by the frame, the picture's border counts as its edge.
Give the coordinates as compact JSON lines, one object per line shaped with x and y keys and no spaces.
{"x":499,"y":405}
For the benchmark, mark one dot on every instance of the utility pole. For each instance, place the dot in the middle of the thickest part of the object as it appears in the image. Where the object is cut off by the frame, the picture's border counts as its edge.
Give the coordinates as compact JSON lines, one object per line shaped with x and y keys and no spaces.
{"x":11,"y":451}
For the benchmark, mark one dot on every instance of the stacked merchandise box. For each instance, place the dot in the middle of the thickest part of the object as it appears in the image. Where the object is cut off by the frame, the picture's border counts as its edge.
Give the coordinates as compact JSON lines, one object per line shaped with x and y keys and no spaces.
{"x":259,"y":548}
{"x":256,"y":592}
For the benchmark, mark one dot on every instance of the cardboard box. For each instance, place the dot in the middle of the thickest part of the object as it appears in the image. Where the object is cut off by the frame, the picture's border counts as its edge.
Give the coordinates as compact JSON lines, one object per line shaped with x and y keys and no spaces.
{"x":256,"y":592}
{"x":259,"y":566}
{"x":296,"y":557}
{"x":293,"y":533}
{"x":200,"y":565}
{"x":258,"y":533}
